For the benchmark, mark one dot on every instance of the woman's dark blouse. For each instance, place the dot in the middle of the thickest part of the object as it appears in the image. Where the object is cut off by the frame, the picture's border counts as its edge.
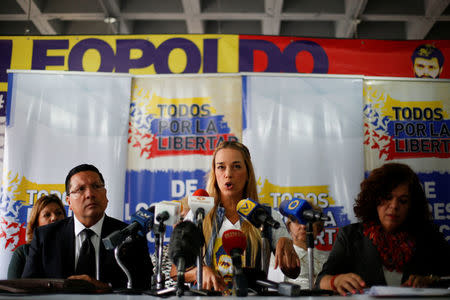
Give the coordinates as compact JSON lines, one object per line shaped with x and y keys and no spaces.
{"x":353,"y":252}
{"x":17,"y":262}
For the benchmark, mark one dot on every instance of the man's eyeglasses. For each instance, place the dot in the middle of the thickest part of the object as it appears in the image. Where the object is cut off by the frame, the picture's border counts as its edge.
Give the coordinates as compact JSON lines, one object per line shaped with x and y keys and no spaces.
{"x":82,"y":189}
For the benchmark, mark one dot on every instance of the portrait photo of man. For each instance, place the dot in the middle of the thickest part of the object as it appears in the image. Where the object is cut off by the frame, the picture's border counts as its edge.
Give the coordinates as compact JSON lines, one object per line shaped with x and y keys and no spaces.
{"x":427,"y":61}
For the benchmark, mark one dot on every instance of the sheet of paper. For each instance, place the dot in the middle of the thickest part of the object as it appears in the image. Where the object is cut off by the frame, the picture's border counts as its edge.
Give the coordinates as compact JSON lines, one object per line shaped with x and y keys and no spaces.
{"x":384,"y":291}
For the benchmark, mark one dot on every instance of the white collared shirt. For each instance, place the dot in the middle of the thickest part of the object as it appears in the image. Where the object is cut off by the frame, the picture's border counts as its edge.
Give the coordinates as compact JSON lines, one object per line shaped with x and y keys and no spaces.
{"x":95,"y":239}
{"x":320,"y":257}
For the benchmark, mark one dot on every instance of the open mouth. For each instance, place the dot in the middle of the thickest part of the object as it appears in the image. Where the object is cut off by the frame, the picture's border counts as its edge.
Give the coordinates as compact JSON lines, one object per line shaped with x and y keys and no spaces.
{"x":229,"y":185}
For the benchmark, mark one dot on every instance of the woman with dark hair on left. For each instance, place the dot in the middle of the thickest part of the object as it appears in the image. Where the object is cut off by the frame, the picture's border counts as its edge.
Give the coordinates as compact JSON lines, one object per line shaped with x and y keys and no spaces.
{"x":47,"y":209}
{"x":396,"y":242}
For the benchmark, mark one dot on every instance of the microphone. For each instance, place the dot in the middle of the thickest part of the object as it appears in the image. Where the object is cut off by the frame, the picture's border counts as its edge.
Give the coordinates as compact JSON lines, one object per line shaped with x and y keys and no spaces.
{"x":141,"y":221}
{"x":256,"y":213}
{"x":185,"y":243}
{"x":200,"y":192}
{"x":200,"y":203}
{"x":302,"y":211}
{"x":167,"y":212}
{"x":234,"y":243}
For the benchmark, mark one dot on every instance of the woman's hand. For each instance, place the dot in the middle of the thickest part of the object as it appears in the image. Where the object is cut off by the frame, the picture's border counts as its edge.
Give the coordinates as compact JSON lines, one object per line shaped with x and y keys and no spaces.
{"x":212,"y":280}
{"x":98,"y":284}
{"x":343,"y":283}
{"x":287,"y":258}
{"x":420,"y":281}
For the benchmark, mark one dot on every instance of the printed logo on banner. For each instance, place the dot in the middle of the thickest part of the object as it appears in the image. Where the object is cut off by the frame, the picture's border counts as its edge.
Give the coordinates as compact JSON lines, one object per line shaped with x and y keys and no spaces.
{"x":272,"y":195}
{"x":416,"y":132}
{"x":175,"y":126}
{"x":15,"y":206}
{"x":405,"y":129}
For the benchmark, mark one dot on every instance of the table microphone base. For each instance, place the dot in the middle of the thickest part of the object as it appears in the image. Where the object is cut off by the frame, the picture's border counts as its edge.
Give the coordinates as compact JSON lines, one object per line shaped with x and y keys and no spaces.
{"x":166,"y":292}
{"x":318,"y":292}
{"x":126,"y":291}
{"x":202,"y":292}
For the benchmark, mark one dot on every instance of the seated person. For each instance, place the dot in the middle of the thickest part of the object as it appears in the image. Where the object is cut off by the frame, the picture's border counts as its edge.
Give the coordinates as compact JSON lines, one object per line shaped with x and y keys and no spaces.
{"x":72,"y":248}
{"x":298,"y":234}
{"x":47,"y":209}
{"x":232,"y":179}
{"x":395,"y":243}
{"x":166,"y":263}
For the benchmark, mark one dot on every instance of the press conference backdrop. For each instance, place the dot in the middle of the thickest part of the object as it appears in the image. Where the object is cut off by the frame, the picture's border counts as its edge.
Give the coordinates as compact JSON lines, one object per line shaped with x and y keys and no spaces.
{"x":55,"y":122}
{"x":408,"y":121}
{"x":306,"y":140}
{"x":315,"y":123}
{"x":175,"y":124}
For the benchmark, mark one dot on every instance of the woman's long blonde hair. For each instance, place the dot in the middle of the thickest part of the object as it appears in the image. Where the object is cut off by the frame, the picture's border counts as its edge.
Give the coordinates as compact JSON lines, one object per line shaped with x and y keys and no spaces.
{"x":252,"y":234}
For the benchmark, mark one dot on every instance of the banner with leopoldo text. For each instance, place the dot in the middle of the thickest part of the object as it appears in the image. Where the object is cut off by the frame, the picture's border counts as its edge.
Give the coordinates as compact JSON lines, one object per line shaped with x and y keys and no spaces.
{"x":56,"y":121}
{"x":175,"y":124}
{"x":408,"y":121}
{"x":305,"y":138}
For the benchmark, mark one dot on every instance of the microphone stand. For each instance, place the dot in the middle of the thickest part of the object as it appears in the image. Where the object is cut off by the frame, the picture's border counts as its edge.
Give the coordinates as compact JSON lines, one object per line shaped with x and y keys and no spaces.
{"x":265,"y":250}
{"x":199,"y":216}
{"x":181,"y":289}
{"x":265,"y":255}
{"x":129,"y":289}
{"x":158,"y":279}
{"x":310,"y":245}
{"x":120,"y":263}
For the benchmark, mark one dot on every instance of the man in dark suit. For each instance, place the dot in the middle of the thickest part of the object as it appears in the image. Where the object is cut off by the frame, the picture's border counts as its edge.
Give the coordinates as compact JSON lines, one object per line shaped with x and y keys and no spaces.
{"x":57,"y":250}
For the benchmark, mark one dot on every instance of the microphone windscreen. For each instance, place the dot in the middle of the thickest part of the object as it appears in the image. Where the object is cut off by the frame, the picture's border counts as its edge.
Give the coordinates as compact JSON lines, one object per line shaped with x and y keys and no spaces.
{"x":234,"y":239}
{"x":256,"y":213}
{"x":185,"y":241}
{"x":144,"y":218}
{"x":200,"y":199}
{"x":246,"y":208}
{"x":295,"y":208}
{"x":172,"y":208}
{"x":201,"y":192}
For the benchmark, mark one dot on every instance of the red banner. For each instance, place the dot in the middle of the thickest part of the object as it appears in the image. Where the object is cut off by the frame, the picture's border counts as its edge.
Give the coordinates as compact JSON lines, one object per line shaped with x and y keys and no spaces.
{"x":421,"y":58}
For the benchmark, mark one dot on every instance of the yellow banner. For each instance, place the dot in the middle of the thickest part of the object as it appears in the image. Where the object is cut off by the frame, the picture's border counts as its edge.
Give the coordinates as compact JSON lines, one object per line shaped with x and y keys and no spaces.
{"x":135,"y":54}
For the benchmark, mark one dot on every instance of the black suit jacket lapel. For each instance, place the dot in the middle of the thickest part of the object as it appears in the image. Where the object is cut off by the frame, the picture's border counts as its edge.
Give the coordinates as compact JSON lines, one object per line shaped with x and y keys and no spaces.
{"x":68,"y":247}
{"x":107,"y":261}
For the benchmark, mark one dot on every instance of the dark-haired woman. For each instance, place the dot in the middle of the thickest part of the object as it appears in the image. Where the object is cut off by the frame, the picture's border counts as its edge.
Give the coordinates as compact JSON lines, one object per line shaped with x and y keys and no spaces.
{"x":47,"y":209}
{"x":394,"y":244}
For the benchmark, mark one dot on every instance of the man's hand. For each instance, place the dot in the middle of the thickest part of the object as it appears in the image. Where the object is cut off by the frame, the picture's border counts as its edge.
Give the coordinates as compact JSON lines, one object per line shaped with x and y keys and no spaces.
{"x":287,"y":258}
{"x":98,"y":284}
